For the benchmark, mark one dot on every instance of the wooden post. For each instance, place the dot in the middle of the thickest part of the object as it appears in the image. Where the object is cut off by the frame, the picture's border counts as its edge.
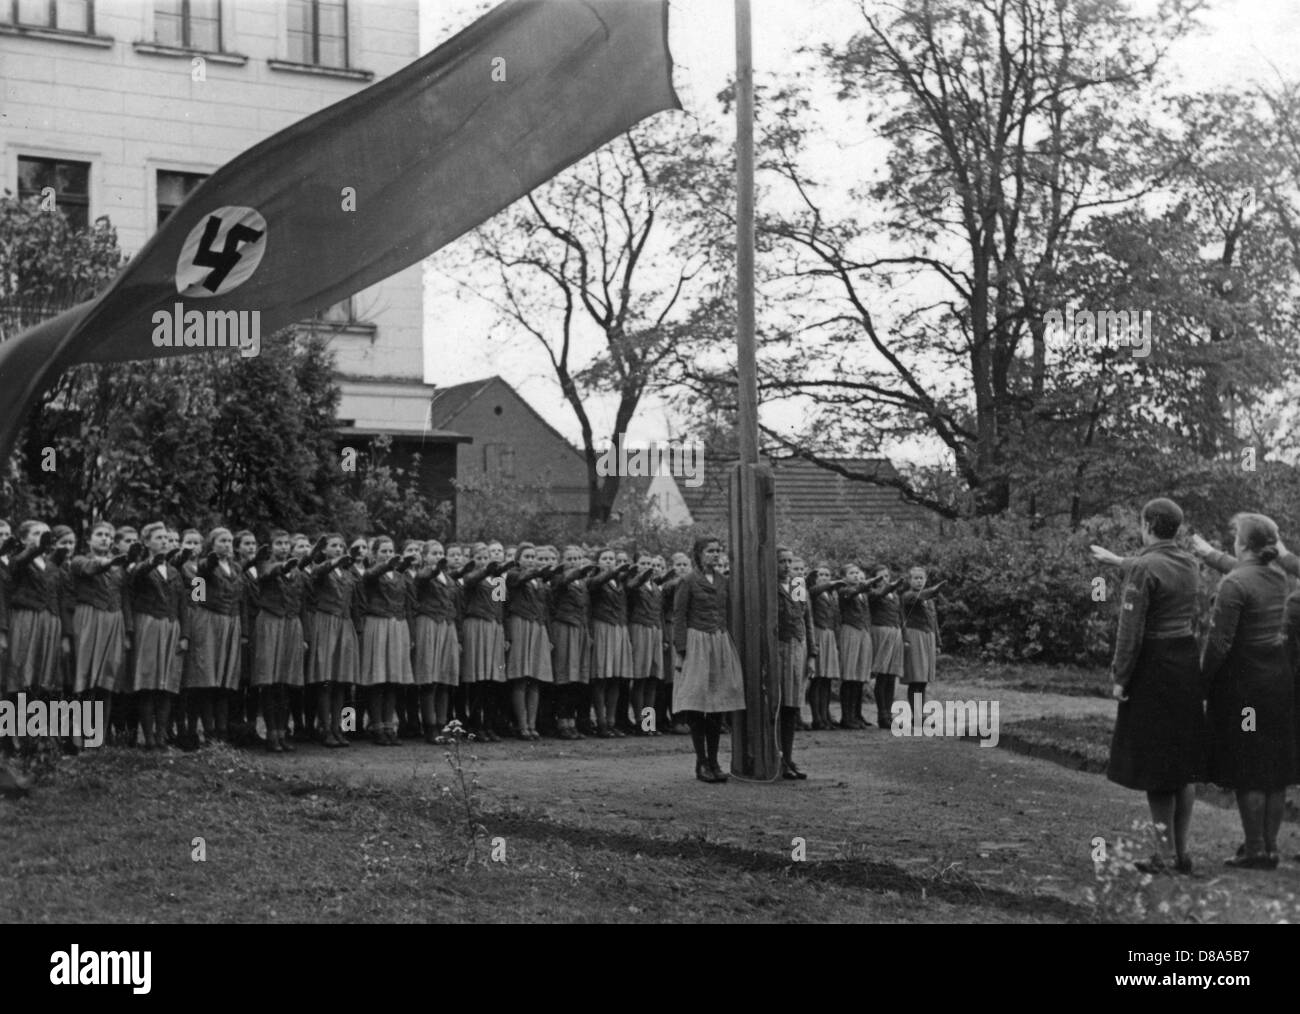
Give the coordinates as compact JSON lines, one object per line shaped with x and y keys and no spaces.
{"x":755,"y":752}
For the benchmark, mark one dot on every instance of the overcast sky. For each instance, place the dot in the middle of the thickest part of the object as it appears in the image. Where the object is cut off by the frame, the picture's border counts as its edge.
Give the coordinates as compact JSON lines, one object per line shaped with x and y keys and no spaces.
{"x":1244,"y":41}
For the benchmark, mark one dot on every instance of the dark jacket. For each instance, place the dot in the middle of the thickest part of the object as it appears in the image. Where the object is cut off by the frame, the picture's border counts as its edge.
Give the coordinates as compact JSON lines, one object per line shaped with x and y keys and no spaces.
{"x":699,"y":604}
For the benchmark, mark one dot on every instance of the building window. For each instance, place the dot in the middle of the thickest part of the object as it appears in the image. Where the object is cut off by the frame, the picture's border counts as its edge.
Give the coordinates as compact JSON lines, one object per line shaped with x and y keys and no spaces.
{"x":68,"y":181}
{"x":318,"y":32}
{"x":188,"y":24}
{"x":61,"y":15}
{"x":342,"y":312}
{"x":173,"y":188}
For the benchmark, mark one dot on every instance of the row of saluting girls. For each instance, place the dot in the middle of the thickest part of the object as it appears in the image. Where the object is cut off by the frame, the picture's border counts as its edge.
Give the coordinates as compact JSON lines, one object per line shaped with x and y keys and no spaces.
{"x":424,"y":630}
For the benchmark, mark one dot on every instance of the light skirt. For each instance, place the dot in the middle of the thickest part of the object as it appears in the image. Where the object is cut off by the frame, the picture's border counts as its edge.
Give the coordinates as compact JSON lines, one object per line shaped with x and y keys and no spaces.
{"x":34,"y":637}
{"x":529,"y":656}
{"x":332,"y":652}
{"x":572,"y":653}
{"x":828,"y":653}
{"x":437,"y":652}
{"x":100,"y":639}
{"x":277,"y":651}
{"x":647,"y":651}
{"x":919,"y":657}
{"x":385,"y":652}
{"x":792,"y":660}
{"x":155,"y":659}
{"x":710,"y":679}
{"x":484,"y":657}
{"x":212,"y":663}
{"x":887,"y":650}
{"x":855,"y":655}
{"x":611,"y":652}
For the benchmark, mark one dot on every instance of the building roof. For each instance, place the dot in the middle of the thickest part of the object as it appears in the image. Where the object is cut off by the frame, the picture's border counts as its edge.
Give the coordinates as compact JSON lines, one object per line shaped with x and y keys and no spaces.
{"x":805,"y":490}
{"x":449,"y":402}
{"x":399,"y":433}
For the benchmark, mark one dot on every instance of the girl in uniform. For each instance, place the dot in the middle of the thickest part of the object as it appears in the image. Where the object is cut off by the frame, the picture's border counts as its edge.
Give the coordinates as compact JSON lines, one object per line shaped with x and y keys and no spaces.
{"x":332,"y":653}
{"x":707,"y":682}
{"x":824,"y":596}
{"x":645,"y":627}
{"x":681,"y":566}
{"x":611,"y":650}
{"x":408,"y":697}
{"x":211,"y":671}
{"x":244,"y":699}
{"x":302,"y":704}
{"x":386,"y":638}
{"x":279,"y":643}
{"x":37,"y":638}
{"x":159,"y":623}
{"x":8,"y":546}
{"x":795,"y":646}
{"x":99,"y":624}
{"x":437,"y":644}
{"x":855,"y":647}
{"x":886,"y":641}
{"x":483,"y":663}
{"x":529,"y":663}
{"x":1244,"y":669}
{"x":921,"y":644}
{"x":570,"y":640}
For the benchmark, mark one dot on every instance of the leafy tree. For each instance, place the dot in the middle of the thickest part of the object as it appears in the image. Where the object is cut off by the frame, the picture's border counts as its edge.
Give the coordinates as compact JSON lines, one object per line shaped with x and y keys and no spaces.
{"x":616,"y":253}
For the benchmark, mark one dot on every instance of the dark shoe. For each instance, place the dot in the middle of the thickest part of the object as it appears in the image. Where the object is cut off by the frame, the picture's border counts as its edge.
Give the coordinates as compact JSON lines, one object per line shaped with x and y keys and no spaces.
{"x":285,"y":745}
{"x":706,"y":774}
{"x":1183,"y":865}
{"x":680,"y":729}
{"x":718,"y":773}
{"x":1155,"y":865}
{"x":1262,"y":861}
{"x":617,"y":733}
{"x":791,"y":773}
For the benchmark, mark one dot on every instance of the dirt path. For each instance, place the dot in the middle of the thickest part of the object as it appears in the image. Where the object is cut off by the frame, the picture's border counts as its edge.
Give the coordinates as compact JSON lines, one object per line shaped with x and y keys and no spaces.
{"x":1010,"y":822}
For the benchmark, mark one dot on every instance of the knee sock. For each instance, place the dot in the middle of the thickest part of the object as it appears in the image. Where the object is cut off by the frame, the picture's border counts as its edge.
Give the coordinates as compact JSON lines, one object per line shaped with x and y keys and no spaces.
{"x":699,"y":736}
{"x":375,"y":707}
{"x":712,"y":733}
{"x":429,"y":710}
{"x":789,"y":722}
{"x":145,"y":708}
{"x":163,"y":715}
{"x":1251,"y":805}
{"x":519,"y":704}
{"x":322,"y":695}
{"x":392,"y":693}
{"x":916,"y":700}
{"x":532,"y":701}
{"x":1274,"y":805}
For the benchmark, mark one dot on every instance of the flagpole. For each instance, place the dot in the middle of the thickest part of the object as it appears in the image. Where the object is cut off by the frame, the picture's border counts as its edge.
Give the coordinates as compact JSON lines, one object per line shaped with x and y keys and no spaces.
{"x":755,"y":752}
{"x":746,"y":370}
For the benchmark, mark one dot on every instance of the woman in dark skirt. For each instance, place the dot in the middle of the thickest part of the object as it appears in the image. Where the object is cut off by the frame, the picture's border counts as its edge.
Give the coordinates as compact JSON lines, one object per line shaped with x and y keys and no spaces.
{"x":1158,"y":743}
{"x":1250,"y":690}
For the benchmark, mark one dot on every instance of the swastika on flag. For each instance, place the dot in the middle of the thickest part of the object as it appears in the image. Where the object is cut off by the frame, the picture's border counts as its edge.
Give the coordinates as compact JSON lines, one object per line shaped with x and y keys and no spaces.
{"x":221,"y":252}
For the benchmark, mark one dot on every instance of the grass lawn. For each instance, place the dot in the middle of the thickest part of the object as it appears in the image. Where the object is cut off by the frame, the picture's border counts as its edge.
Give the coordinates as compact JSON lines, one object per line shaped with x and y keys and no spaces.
{"x":110,"y":836}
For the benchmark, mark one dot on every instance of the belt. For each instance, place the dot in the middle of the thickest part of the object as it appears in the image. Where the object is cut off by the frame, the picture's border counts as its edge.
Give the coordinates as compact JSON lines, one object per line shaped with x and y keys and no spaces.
{"x":1168,"y":635}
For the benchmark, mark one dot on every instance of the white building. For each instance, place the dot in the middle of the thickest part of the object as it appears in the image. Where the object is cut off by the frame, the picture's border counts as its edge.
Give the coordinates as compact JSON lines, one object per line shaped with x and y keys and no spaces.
{"x":124,"y":106}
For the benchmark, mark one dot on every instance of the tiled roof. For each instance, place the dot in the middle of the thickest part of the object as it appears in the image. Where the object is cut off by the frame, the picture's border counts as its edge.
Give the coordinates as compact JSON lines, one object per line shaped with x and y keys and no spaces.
{"x":806,"y":491}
